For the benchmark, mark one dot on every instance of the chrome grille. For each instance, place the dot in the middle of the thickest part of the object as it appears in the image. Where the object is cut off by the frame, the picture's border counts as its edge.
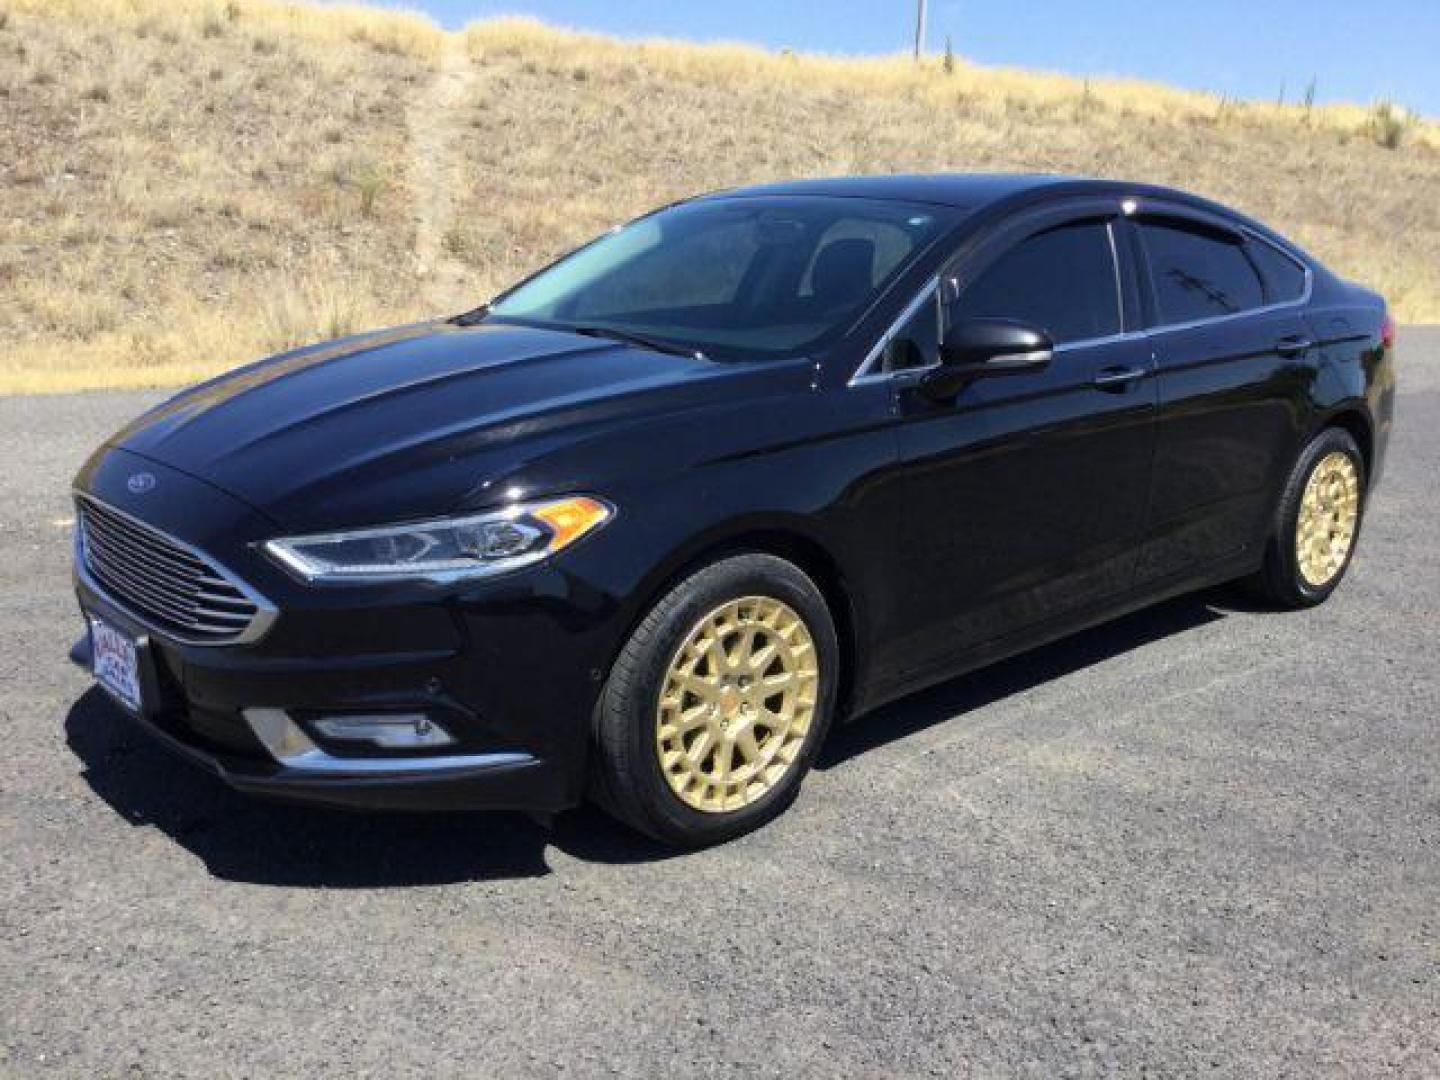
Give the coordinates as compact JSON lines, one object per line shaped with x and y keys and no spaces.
{"x":163,"y":582}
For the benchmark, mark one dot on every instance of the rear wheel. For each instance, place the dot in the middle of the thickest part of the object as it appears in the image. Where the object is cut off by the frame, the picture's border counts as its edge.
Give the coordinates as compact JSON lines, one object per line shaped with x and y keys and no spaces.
{"x":1316,"y":523}
{"x":717,"y":703}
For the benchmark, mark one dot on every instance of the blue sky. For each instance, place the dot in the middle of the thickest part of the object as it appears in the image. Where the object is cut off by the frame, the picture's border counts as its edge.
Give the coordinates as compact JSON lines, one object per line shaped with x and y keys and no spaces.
{"x":1356,"y":50}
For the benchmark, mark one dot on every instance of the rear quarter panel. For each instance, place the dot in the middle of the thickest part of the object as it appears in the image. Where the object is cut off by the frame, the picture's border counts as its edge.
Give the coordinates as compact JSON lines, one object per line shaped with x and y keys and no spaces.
{"x":1357,"y":372}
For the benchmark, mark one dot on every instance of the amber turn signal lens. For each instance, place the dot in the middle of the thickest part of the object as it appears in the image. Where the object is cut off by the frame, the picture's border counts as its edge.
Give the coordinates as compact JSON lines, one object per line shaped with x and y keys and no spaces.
{"x":570,"y":519}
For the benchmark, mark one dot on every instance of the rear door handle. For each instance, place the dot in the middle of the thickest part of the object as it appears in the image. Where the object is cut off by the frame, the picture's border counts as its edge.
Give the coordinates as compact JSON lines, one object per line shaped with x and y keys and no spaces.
{"x":1294,"y":345}
{"x":1117,"y":378}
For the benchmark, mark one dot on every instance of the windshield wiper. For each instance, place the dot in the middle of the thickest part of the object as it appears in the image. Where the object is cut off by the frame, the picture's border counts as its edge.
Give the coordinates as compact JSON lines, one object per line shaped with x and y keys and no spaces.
{"x":653,"y":344}
{"x":472,"y":318}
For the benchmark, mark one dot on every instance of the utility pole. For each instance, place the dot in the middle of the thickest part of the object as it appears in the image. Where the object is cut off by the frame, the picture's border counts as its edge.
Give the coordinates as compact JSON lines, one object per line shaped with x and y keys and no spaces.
{"x":919,"y":28}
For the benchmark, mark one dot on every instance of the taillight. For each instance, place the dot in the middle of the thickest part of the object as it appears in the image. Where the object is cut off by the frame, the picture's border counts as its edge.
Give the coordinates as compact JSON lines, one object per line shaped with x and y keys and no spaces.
{"x":1387,"y":331}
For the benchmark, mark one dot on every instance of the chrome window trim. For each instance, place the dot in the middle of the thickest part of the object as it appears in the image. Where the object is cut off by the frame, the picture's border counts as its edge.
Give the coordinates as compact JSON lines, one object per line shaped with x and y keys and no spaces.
{"x":864,"y":374}
{"x":1304,"y":297}
{"x":1191,"y":324}
{"x":931,"y":289}
{"x":1119,"y":285}
{"x":265,"y":611}
{"x":1105,"y":339}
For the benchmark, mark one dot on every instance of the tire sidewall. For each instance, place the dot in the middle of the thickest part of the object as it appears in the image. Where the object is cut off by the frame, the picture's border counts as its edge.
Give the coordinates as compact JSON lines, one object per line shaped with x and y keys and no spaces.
{"x":705,"y":591}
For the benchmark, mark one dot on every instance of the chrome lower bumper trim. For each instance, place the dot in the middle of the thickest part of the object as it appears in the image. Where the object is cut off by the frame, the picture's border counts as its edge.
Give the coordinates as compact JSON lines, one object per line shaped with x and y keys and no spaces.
{"x":288,"y":744}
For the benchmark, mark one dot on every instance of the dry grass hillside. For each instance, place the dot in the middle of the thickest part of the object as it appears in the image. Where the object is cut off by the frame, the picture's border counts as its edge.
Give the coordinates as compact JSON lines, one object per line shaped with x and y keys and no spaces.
{"x":184,"y":185}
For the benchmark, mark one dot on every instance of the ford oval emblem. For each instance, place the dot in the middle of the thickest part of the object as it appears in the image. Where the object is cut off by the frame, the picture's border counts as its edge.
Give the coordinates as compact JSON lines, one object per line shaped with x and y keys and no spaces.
{"x":140,"y":483}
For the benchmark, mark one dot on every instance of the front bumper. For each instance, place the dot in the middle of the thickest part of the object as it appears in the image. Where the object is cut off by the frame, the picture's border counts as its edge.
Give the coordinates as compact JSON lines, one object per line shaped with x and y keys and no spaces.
{"x":497,"y":780}
{"x":509,"y":667}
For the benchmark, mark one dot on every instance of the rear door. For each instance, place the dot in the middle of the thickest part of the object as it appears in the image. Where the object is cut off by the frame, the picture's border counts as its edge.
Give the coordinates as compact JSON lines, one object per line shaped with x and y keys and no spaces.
{"x":1231,"y":348}
{"x":1025,"y":496}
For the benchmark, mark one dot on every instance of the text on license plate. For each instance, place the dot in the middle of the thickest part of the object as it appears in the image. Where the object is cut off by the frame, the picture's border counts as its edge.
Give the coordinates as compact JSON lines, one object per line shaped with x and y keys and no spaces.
{"x":115,"y":663}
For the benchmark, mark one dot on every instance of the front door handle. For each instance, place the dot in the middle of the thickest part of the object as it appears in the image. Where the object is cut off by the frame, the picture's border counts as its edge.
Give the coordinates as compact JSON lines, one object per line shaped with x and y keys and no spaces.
{"x":1294,"y":345}
{"x":1116,"y":379}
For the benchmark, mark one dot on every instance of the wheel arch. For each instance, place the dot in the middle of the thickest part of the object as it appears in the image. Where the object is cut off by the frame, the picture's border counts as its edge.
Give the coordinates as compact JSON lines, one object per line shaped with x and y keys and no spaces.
{"x":1354,"y":420}
{"x":785,"y":541}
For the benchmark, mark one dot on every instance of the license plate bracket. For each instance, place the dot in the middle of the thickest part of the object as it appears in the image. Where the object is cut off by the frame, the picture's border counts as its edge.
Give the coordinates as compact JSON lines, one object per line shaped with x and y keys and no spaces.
{"x":115,"y":664}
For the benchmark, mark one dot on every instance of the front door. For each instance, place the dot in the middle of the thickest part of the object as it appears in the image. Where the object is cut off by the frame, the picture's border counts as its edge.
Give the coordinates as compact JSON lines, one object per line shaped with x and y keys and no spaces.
{"x":1025,"y":497}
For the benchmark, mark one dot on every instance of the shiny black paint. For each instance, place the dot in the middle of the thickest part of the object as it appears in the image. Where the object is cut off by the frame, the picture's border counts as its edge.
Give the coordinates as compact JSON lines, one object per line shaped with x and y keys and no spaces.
{"x":944,"y":534}
{"x":981,"y":561}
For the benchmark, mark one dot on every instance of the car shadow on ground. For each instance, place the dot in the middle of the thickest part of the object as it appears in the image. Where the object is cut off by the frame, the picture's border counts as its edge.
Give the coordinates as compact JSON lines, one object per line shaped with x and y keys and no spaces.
{"x":239,"y":838}
{"x":243,"y":839}
{"x":1019,"y":673}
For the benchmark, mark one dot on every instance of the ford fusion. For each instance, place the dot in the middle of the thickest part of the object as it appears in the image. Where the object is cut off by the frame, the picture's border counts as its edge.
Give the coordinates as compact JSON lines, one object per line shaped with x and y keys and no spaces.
{"x":644,"y":526}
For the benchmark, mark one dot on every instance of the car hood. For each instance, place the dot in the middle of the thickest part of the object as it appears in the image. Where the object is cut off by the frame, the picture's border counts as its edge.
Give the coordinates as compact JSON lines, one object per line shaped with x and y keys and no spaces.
{"x":423,"y":419}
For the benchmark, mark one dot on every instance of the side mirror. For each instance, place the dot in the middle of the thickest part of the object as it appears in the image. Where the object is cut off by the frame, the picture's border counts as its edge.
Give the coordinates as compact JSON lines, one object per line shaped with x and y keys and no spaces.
{"x":981,"y":348}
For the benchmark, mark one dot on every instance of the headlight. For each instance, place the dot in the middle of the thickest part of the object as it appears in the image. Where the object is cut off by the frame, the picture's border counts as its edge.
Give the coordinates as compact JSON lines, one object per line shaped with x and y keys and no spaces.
{"x":472,"y":546}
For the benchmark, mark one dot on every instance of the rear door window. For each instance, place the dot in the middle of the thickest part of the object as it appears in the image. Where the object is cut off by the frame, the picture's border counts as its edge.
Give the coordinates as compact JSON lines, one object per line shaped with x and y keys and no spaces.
{"x":1198,"y":274}
{"x":1062,"y":280}
{"x":1284,"y":277}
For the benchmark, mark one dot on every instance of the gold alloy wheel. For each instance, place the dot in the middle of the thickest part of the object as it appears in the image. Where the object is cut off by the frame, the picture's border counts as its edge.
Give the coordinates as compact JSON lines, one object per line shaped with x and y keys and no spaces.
{"x":1329,"y":510}
{"x":737,"y":702}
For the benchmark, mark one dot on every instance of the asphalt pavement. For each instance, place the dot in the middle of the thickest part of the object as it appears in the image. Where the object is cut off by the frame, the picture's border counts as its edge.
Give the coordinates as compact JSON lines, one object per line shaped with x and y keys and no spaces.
{"x":1203,"y":840}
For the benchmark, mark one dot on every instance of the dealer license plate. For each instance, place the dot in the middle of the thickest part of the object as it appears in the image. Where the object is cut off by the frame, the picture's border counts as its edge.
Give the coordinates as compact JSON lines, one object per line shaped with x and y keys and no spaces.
{"x":115,"y":663}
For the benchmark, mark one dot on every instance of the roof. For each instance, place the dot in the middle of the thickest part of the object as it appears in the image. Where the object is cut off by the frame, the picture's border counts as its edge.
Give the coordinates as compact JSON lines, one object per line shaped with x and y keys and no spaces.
{"x":966,"y":190}
{"x":973,"y":192}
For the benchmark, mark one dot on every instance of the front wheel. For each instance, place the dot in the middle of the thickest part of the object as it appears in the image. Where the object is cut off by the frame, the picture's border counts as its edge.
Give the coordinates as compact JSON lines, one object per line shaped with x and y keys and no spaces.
{"x":1316,"y":523}
{"x":717,"y":703}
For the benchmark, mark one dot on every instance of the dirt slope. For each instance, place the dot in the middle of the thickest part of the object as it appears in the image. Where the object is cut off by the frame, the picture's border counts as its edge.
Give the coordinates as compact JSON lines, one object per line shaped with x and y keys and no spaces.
{"x":186,"y":185}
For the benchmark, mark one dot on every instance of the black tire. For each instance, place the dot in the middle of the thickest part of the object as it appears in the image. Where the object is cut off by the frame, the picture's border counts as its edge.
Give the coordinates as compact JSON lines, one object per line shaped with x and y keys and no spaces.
{"x":1280,"y":581}
{"x":629,"y":780}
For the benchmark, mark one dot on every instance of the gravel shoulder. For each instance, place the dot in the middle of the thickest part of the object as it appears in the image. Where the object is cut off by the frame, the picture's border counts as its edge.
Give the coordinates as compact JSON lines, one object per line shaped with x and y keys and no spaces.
{"x":1200,"y":840}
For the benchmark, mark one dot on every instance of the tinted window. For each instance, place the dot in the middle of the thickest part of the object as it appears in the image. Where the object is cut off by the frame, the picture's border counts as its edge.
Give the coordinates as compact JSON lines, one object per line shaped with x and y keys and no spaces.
{"x":917,"y":343}
{"x":1284,"y":277}
{"x":1197,"y":274}
{"x":749,"y":276}
{"x":1062,"y":280}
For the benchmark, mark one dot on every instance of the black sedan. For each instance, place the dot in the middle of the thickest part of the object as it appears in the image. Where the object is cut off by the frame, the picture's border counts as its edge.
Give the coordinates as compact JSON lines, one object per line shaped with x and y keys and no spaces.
{"x":644,"y":526}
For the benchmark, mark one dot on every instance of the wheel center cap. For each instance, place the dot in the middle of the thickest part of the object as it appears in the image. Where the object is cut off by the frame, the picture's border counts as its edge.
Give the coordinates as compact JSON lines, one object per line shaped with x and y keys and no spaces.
{"x":730,"y":700}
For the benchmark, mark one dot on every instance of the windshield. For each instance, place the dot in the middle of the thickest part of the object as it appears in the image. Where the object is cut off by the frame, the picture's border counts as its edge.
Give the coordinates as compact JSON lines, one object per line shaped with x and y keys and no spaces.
{"x":768,"y":276}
